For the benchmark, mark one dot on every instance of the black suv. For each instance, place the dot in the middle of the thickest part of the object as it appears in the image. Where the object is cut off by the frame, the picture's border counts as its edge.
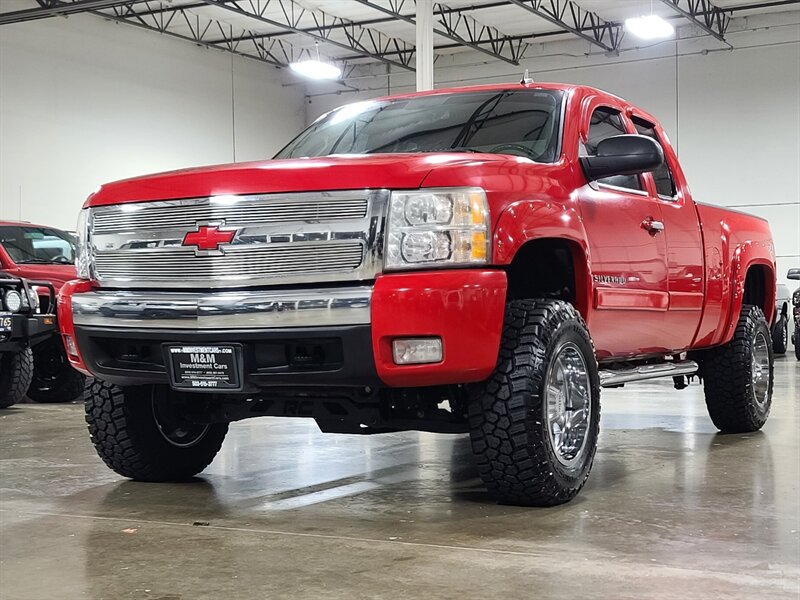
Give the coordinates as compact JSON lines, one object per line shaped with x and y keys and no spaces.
{"x":23,"y":324}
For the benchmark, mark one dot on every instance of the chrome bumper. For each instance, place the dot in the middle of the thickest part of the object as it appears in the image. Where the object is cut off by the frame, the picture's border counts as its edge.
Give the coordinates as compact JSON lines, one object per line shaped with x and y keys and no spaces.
{"x":224,"y":310}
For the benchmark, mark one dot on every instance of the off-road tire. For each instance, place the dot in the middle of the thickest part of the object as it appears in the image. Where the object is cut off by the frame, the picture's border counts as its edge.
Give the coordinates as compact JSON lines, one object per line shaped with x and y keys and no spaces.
{"x":727,"y":373}
{"x":54,"y":379}
{"x":797,"y":342}
{"x":508,"y":413}
{"x":16,"y":371}
{"x":780,"y":335}
{"x":126,"y":435}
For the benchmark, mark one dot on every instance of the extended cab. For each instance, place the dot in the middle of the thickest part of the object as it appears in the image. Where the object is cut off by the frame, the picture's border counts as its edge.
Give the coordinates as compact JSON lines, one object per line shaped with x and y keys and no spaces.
{"x":476,"y":260}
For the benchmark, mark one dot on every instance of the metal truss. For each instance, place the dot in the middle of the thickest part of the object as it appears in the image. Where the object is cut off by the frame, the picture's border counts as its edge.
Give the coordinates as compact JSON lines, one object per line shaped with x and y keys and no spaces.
{"x":180,"y":23}
{"x":570,"y":17}
{"x":456,"y":25}
{"x":709,"y":17}
{"x":365,"y":42}
{"x":55,"y":8}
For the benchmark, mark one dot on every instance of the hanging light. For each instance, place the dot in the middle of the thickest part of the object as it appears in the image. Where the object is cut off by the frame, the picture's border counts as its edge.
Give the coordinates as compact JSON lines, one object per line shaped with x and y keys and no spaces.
{"x":316,"y":69}
{"x":649,"y":27}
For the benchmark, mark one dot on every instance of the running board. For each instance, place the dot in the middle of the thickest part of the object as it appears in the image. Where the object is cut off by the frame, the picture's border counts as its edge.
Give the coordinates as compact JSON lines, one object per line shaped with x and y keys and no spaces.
{"x":614,"y":377}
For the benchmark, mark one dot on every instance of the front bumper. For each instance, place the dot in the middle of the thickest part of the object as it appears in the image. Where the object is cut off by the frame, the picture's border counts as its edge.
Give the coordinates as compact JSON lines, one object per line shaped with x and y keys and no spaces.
{"x":27,"y":330}
{"x":296,"y":337}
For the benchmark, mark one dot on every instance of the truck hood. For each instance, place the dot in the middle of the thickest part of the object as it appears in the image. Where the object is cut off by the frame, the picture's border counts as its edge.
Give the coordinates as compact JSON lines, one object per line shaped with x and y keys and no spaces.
{"x":398,"y":171}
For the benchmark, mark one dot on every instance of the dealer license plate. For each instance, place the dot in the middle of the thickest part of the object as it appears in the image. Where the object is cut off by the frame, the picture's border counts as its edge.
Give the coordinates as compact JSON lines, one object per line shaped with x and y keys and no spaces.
{"x":5,"y":322}
{"x":206,"y":367}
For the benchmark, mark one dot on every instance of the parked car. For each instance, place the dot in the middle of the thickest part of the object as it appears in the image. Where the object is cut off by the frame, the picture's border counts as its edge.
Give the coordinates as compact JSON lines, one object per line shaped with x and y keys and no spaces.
{"x":476,"y":260}
{"x":795,"y":274}
{"x":23,"y":325}
{"x":38,"y":252}
{"x":780,"y":327}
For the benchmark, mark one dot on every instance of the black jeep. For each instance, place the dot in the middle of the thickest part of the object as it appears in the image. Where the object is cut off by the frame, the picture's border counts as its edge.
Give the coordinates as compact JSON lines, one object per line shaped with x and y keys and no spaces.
{"x":23,"y":324}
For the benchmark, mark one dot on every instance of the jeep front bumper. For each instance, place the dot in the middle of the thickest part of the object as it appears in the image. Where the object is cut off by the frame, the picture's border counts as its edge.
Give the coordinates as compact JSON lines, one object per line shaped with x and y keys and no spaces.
{"x":296,"y":337}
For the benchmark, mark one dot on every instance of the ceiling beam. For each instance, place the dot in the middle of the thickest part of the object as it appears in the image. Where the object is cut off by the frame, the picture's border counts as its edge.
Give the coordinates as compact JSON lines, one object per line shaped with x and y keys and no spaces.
{"x":570,"y":17}
{"x":703,"y":13}
{"x":454,"y":24}
{"x":361,"y":40}
{"x":51,"y":8}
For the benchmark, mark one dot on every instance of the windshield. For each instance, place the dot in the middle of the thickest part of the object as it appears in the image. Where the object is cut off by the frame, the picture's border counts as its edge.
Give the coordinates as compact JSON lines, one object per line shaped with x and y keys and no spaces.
{"x":43,"y":245}
{"x":517,"y":122}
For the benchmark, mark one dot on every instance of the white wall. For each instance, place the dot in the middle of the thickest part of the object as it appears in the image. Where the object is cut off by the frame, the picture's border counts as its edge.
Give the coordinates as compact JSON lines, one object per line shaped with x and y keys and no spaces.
{"x":733,"y":115}
{"x":84,"y":101}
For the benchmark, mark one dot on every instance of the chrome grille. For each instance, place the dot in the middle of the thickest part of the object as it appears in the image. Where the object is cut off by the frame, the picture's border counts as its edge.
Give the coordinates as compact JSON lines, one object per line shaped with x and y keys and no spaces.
{"x":181,"y":263}
{"x":279,"y":239}
{"x":235,"y":211}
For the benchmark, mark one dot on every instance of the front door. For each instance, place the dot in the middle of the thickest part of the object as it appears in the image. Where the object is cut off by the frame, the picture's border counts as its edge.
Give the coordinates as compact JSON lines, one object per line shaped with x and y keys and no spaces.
{"x":628,"y":253}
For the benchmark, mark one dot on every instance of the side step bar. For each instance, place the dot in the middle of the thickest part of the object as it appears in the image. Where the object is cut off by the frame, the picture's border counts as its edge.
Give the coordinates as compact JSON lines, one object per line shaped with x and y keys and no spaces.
{"x":614,"y":377}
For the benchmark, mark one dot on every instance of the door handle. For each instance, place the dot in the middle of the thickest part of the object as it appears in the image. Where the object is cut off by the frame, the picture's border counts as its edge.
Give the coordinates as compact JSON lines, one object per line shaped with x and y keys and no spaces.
{"x":652,"y":226}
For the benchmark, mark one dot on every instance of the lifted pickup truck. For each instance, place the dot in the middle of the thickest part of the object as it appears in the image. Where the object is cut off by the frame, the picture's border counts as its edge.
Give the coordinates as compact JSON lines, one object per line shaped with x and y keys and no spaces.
{"x":476,"y":260}
{"x":23,"y":324}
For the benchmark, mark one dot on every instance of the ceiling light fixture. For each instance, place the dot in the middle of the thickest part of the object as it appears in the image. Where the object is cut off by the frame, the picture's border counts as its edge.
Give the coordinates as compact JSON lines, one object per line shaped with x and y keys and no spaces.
{"x":316,"y":69}
{"x":649,"y":27}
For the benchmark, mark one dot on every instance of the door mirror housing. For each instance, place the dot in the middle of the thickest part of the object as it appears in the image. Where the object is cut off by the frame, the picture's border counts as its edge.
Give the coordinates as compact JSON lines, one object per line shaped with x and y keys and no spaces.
{"x":627,"y":154}
{"x":793,"y":274}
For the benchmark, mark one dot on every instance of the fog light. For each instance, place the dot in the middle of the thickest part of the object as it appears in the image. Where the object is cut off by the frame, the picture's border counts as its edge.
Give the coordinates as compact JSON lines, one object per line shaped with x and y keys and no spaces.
{"x":72,"y":347}
{"x":414,"y":351}
{"x":13,"y":301}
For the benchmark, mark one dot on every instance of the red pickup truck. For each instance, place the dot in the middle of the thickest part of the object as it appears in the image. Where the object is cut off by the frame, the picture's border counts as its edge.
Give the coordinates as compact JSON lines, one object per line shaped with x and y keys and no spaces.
{"x":477,"y":260}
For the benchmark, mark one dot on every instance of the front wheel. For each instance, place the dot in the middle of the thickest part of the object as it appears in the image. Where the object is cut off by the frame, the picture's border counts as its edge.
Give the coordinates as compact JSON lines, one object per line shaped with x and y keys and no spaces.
{"x":534,"y":424}
{"x":54,"y":379}
{"x":139,"y":433}
{"x":797,"y":342}
{"x":16,"y":370}
{"x":738,"y":376}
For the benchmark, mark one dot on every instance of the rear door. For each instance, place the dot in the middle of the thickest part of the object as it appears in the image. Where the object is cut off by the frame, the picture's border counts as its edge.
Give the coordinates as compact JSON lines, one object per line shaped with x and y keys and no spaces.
{"x":628,"y":251}
{"x":683,"y":238}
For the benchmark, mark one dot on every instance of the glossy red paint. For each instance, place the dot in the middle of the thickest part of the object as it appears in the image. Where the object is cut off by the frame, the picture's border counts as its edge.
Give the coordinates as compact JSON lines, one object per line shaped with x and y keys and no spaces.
{"x":641,"y":293}
{"x":402,"y":171}
{"x":65,"y":321}
{"x":55,"y":274}
{"x":463,"y":307}
{"x":208,"y":237}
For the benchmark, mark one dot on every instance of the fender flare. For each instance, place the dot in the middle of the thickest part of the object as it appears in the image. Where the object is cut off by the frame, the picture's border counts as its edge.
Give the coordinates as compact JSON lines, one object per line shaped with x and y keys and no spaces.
{"x":530,"y":220}
{"x":746,"y":255}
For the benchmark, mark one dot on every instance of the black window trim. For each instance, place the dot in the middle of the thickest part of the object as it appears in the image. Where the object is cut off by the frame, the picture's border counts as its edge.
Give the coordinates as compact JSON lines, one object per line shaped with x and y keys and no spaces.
{"x":597,"y":184}
{"x":676,"y":196}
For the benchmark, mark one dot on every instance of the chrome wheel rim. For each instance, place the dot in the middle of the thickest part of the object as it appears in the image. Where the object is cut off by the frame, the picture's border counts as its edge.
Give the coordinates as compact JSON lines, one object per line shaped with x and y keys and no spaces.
{"x":760,"y":372}
{"x":568,"y":398}
{"x":178,"y":432}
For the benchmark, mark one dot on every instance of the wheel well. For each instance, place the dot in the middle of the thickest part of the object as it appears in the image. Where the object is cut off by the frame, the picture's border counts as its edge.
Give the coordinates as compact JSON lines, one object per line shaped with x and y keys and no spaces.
{"x":548,"y":268}
{"x":756,"y":284}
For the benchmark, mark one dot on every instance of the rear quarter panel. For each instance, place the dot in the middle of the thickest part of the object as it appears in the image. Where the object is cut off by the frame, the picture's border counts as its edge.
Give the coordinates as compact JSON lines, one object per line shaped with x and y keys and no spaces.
{"x":733,"y":242}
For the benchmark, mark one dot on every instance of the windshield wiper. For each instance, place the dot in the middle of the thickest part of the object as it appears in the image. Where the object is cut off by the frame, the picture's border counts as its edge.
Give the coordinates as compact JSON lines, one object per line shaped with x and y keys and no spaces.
{"x":455,"y":149}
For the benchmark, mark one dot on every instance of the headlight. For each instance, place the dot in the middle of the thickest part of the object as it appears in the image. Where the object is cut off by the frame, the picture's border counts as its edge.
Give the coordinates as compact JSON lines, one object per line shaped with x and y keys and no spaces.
{"x":796,"y":298}
{"x":12,"y":301}
{"x":83,"y":252}
{"x":437,"y":226}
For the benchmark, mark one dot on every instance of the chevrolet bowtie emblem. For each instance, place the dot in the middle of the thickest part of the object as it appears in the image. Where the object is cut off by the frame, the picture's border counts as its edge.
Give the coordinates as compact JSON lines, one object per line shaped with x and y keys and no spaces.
{"x":208,"y":237}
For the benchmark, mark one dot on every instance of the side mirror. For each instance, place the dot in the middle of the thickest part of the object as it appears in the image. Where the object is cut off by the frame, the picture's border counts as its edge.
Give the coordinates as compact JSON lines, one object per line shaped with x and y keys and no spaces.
{"x":627,"y":154}
{"x":793,"y":274}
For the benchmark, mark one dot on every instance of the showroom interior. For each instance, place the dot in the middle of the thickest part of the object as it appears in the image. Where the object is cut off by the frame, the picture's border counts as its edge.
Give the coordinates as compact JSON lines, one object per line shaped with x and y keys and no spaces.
{"x":687,"y":498}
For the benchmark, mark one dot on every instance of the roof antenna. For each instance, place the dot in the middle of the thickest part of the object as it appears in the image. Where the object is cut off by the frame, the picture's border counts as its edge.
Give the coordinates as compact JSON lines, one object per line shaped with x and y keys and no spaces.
{"x":526,"y":78}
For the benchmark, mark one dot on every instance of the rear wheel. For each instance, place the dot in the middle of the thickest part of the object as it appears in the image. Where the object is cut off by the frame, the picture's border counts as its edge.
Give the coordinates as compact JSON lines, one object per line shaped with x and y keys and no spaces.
{"x":16,"y":371}
{"x":780,"y":335}
{"x":534,"y":424}
{"x":54,"y":380}
{"x":140,"y":433}
{"x":738,"y":377}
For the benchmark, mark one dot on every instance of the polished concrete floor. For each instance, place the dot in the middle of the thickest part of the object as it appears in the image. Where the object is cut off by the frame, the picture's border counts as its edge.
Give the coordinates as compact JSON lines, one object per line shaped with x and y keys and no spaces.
{"x":671,"y":510}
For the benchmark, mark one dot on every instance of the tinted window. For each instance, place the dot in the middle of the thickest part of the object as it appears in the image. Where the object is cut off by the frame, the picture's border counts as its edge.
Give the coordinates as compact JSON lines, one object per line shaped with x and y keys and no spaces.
{"x":521,"y":123}
{"x":26,"y":245}
{"x":606,"y":123}
{"x":665,"y":182}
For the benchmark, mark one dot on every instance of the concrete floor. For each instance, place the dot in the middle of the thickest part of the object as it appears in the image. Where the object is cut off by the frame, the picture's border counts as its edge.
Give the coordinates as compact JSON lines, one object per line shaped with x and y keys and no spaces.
{"x":671,"y":510}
